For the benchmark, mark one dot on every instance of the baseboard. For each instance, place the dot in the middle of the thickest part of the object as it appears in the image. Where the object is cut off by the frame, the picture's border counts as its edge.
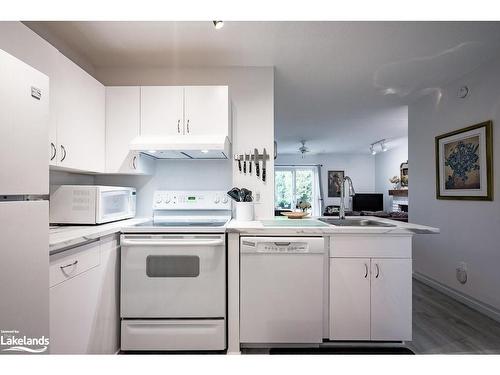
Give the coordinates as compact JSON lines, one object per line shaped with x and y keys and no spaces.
{"x":473,"y":303}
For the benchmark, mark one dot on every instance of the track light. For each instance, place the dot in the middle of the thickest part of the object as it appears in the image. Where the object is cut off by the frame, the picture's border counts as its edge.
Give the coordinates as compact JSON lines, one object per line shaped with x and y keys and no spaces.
{"x":218,"y":24}
{"x":381,"y":143}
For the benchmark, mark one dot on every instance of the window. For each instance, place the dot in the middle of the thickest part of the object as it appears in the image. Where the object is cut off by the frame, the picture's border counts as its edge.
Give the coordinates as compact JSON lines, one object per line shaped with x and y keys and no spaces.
{"x":296,"y":183}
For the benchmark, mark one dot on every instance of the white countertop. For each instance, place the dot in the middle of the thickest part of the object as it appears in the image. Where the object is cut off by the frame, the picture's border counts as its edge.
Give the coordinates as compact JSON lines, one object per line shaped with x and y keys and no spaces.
{"x":258,"y":227}
{"x":70,"y":235}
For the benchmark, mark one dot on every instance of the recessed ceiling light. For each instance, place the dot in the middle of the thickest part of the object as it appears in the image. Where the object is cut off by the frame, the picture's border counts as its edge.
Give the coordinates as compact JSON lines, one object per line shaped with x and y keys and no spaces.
{"x":204,"y":151}
{"x":218,"y":24}
{"x":152,"y":151}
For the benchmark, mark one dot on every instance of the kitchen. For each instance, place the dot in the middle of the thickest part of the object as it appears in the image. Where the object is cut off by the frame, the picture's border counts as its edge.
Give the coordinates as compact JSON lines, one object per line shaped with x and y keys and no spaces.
{"x":161,"y":184}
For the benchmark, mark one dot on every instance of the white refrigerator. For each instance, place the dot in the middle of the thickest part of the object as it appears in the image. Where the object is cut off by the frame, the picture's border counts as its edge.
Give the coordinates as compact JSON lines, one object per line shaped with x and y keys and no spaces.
{"x":24,"y":206}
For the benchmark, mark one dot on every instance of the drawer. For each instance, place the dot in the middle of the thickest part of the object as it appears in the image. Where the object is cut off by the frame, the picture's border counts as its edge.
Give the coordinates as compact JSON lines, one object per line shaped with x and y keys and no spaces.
{"x":173,"y":334}
{"x":70,"y":263}
{"x":370,"y":246}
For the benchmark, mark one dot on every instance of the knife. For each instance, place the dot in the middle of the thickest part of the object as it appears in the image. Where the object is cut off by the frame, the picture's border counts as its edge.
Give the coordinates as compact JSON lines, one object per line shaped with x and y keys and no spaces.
{"x":250,"y":163}
{"x":264,"y":157}
{"x":239,"y":163}
{"x":256,"y":160}
{"x":245,"y":163}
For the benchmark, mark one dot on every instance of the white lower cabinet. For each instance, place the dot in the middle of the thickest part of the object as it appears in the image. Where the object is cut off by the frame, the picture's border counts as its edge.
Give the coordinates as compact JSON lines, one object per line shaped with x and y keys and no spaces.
{"x":391,"y":300}
{"x":370,"y":297}
{"x":84,"y":316}
{"x":349,"y":299}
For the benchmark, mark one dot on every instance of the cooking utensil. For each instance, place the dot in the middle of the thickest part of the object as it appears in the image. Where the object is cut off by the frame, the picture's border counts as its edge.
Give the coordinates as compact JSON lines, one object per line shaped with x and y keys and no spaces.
{"x":247,"y":195}
{"x":234,"y":193}
{"x":239,"y":164}
{"x":264,"y":157}
{"x":242,"y":195}
{"x":250,"y":163}
{"x":256,"y":161}
{"x":245,"y":163}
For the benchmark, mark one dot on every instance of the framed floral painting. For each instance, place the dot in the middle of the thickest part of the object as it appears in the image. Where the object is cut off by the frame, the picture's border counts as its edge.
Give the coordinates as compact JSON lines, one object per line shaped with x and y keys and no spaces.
{"x":464,"y":159}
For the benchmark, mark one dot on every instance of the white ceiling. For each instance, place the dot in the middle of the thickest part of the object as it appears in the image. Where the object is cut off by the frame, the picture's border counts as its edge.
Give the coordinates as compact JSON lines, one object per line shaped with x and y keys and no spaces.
{"x":338,"y":85}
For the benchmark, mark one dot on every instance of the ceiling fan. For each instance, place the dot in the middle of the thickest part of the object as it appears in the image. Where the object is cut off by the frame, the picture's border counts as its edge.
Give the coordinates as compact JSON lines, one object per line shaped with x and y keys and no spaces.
{"x":303,"y":149}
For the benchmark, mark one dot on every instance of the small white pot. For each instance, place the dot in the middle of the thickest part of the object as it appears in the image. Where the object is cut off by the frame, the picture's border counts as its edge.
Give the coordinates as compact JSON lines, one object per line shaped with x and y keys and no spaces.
{"x":244,"y":211}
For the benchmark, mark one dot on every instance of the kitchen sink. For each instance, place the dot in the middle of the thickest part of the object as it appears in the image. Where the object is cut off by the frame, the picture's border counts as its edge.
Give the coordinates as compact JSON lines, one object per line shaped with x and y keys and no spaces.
{"x":356,"y":223}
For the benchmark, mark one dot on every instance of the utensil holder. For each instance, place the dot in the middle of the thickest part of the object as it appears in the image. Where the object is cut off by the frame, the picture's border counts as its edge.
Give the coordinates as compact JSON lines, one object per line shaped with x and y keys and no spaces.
{"x":244,"y":211}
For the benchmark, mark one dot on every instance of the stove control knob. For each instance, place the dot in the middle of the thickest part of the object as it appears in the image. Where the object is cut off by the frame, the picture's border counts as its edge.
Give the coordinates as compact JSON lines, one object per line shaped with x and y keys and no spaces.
{"x":216,"y":199}
{"x":158,"y":200}
{"x":224,"y":200}
{"x":167,"y":199}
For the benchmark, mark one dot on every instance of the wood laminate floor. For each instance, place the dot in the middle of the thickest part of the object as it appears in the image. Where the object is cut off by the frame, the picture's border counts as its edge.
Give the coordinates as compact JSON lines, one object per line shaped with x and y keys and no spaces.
{"x":442,"y":325}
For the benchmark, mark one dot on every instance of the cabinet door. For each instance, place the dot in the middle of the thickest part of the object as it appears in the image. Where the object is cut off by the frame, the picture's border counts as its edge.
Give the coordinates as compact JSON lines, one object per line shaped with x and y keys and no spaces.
{"x":123,"y":116}
{"x":162,"y":110}
{"x":81,"y":119}
{"x":73,"y":307}
{"x":391,"y":302}
{"x":104,"y":338}
{"x":206,"y":110}
{"x":349,"y":299}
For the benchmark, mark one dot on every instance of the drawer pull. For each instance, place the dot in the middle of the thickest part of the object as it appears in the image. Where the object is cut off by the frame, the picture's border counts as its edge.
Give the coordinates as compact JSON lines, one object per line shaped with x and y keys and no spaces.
{"x":68,"y":265}
{"x":378,"y":271}
{"x":366,"y":270}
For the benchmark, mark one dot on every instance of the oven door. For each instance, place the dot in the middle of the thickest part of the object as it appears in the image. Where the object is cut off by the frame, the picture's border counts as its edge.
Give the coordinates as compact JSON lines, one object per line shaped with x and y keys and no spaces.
{"x":173,"y":276}
{"x":115,"y":204}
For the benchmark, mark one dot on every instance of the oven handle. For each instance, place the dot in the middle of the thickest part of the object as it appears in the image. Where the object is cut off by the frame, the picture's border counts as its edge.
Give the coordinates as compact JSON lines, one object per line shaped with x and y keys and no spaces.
{"x":167,"y":242}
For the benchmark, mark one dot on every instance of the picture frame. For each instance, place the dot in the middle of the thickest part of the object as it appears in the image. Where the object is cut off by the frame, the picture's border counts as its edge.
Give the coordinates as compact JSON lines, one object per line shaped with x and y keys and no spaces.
{"x":464,"y":163}
{"x":334,"y":177}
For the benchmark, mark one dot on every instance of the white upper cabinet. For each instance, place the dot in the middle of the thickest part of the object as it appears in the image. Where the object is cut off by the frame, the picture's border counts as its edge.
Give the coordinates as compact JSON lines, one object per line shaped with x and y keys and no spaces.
{"x":162,"y":110}
{"x":206,"y":110}
{"x":184,"y":110}
{"x":123,"y":123}
{"x":80,"y":119}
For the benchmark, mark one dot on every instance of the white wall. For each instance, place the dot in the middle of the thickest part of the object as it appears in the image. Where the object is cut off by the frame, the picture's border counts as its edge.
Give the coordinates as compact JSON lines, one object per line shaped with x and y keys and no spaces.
{"x":173,"y":175}
{"x":387,"y":165}
{"x":252,"y":98}
{"x":469,"y":230}
{"x":360,"y":167}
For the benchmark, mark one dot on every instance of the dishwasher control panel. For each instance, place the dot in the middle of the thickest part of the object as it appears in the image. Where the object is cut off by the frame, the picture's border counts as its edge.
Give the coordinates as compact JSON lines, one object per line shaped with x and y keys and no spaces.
{"x":279,"y":247}
{"x":282,"y":245}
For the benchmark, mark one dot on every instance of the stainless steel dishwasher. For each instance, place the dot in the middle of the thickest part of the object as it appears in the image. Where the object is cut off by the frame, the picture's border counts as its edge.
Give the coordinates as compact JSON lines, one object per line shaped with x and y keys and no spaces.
{"x":281,"y":290}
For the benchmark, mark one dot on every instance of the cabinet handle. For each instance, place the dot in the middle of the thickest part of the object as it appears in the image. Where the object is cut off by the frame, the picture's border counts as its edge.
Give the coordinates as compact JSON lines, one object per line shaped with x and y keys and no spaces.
{"x":69,"y":265}
{"x":54,"y":149}
{"x":64,"y":153}
{"x":188,"y":126}
{"x":366,"y":270}
{"x":133,"y":162}
{"x":178,"y":126}
{"x":378,"y":271}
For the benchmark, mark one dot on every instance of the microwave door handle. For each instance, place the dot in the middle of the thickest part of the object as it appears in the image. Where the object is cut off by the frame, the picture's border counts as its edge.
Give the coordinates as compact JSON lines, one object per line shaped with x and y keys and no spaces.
{"x":145,"y":242}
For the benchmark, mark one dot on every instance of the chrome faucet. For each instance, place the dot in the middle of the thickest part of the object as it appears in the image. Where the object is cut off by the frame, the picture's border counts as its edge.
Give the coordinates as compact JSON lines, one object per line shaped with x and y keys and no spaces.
{"x":342,"y":195}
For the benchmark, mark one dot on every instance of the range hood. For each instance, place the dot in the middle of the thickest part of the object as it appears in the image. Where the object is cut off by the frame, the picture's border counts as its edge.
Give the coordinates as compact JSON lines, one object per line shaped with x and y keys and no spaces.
{"x":213,"y":146}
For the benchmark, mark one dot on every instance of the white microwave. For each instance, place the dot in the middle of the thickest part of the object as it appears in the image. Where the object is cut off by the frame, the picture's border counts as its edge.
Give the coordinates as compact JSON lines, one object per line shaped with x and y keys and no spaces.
{"x":87,"y":204}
